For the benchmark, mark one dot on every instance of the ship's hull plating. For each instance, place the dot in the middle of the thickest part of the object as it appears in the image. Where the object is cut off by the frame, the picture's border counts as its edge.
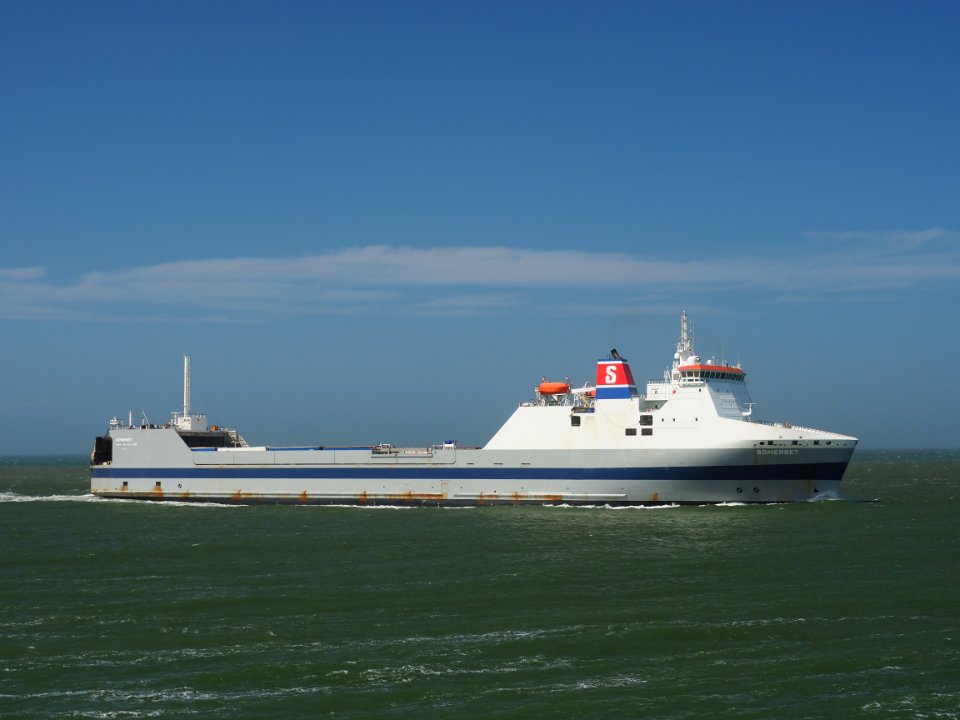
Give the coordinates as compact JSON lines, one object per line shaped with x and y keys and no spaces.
{"x":482,"y":477}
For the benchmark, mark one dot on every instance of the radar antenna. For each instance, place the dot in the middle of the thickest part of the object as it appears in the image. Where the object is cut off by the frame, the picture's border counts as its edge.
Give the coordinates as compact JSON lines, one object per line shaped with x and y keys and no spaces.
{"x":686,"y":337}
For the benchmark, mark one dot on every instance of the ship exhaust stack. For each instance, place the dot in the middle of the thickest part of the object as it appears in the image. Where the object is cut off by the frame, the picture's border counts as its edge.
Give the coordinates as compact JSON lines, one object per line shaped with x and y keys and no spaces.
{"x":614,"y":379}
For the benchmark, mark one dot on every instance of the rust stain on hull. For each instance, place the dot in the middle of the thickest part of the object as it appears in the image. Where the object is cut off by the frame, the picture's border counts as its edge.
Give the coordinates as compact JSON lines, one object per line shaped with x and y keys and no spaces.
{"x":411,"y":496}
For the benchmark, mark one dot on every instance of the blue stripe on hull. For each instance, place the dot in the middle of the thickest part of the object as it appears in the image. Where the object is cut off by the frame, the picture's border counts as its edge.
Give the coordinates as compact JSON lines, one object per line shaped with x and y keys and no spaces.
{"x":799,"y":471}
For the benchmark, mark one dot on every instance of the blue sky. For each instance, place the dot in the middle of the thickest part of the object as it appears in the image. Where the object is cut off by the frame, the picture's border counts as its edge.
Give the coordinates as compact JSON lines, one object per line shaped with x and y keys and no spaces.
{"x":384,"y":222}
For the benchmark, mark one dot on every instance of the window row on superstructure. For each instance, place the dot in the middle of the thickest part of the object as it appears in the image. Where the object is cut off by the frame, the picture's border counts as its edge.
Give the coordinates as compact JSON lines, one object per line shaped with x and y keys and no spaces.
{"x":711,"y":375}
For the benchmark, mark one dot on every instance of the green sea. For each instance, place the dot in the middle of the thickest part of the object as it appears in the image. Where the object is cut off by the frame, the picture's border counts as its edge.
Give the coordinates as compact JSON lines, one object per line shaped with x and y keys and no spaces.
{"x":834,"y":609}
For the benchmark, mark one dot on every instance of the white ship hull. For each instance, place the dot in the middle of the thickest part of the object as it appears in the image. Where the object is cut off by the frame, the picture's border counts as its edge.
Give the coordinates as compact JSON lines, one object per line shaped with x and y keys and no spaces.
{"x":159,"y":470}
{"x":689,"y":439}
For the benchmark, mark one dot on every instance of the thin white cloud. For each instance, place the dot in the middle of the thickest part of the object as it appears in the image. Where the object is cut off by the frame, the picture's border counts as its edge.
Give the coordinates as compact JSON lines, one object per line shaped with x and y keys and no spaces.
{"x":461,"y":305}
{"x":26,"y":273}
{"x":371,"y":279}
{"x":902,"y":239}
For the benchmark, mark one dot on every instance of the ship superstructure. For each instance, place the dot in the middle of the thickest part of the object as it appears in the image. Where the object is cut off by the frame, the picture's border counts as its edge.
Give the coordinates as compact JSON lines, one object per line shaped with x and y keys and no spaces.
{"x":691,"y":437}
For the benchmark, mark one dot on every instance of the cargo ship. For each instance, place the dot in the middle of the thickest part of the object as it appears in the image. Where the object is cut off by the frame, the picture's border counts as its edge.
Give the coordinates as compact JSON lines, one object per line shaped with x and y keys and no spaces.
{"x":691,"y":436}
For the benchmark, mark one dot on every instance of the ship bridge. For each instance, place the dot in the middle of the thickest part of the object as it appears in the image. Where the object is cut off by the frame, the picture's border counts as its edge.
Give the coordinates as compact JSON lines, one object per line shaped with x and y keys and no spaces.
{"x":698,"y":373}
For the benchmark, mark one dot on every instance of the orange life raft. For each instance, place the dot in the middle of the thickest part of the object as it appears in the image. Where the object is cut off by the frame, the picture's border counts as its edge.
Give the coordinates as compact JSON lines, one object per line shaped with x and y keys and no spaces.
{"x":553,"y":388}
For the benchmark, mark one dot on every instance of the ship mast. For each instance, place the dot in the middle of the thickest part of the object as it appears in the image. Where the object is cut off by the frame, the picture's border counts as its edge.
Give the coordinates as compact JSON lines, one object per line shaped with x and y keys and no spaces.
{"x":684,"y":354}
{"x":187,"y":420}
{"x":686,"y":339}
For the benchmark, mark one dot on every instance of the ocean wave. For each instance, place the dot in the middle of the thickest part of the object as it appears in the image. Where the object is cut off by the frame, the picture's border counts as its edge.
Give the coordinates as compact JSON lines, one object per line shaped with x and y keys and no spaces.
{"x":401,"y":674}
{"x":600,"y":683}
{"x":12,"y":497}
{"x":370,"y":506}
{"x":607,"y":506}
{"x":175,"y":696}
{"x":172,"y":503}
{"x":17,"y":497}
{"x":825,"y":496}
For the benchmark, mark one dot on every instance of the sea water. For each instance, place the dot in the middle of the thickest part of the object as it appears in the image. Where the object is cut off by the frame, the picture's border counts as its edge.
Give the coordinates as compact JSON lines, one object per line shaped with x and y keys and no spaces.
{"x":830,"y":609}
